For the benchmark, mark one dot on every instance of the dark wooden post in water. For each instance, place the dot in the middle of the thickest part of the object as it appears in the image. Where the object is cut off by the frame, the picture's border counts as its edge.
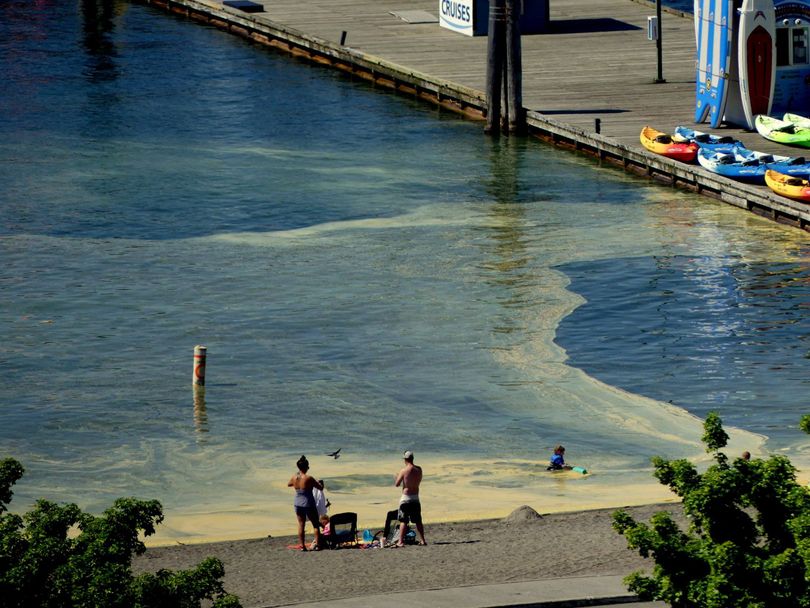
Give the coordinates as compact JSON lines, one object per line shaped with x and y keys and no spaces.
{"x":495,"y":61}
{"x":505,"y":109}
{"x":517,"y":117}
{"x":504,"y":69}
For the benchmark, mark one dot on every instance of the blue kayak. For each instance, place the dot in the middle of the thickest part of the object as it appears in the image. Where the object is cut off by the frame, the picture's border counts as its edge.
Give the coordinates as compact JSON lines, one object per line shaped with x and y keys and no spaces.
{"x":749,"y":166}
{"x":716,"y":143}
{"x":749,"y":170}
{"x":796,"y":166}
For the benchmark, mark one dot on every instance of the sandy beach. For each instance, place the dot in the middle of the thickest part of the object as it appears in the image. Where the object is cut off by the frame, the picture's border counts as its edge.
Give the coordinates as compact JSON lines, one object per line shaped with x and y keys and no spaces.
{"x":524,"y":546}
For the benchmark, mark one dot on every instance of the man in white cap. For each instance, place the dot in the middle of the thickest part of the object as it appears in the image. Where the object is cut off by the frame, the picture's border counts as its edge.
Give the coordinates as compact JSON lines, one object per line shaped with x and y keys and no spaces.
{"x":410,"y":510}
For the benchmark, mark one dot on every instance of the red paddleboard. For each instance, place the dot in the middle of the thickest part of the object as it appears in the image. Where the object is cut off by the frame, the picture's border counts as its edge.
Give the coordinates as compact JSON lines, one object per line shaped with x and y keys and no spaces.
{"x":756,"y":57}
{"x":760,"y":70}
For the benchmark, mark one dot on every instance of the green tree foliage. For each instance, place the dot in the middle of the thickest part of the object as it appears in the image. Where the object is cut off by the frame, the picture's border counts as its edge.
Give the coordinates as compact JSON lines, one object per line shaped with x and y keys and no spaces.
{"x":748,"y":542}
{"x":56,"y":556}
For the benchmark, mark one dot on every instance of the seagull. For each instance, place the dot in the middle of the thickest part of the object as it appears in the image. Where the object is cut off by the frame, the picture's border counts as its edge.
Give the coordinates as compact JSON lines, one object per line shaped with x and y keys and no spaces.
{"x":335,"y":454}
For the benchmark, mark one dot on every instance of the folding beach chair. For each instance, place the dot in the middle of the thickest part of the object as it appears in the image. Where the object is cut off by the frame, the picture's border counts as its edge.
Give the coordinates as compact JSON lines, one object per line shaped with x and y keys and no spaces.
{"x":342,"y":530}
{"x":390,"y":534}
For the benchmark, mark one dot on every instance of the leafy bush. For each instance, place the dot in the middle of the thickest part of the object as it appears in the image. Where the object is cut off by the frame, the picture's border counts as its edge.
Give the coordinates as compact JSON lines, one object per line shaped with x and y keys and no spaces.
{"x":748,"y":543}
{"x":43,"y":566}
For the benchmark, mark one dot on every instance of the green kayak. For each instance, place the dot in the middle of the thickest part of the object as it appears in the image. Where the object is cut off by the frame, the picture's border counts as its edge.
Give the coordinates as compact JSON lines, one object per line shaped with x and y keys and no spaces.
{"x":782,"y":131}
{"x":799,"y":121}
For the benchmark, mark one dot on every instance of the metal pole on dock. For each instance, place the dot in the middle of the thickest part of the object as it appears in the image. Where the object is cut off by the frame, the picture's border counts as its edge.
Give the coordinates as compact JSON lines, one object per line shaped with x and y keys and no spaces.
{"x":517,"y":117}
{"x":658,"y":45}
{"x":495,"y":53}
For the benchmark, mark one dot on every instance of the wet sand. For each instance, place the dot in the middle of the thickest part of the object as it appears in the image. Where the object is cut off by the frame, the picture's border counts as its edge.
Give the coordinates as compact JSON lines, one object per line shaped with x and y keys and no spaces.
{"x":520,"y":547}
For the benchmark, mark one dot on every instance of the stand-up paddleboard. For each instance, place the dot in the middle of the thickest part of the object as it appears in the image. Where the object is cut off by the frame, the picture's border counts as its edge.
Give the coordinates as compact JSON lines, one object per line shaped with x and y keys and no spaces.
{"x":713,"y":60}
{"x":735,"y":111}
{"x":757,"y":57}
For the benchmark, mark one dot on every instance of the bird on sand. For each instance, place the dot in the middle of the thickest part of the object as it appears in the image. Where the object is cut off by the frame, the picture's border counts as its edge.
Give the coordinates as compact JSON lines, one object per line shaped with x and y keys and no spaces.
{"x":335,"y":454}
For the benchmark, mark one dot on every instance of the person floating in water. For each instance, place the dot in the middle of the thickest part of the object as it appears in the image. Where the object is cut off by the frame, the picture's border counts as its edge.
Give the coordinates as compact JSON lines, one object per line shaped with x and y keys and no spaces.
{"x":557,"y":462}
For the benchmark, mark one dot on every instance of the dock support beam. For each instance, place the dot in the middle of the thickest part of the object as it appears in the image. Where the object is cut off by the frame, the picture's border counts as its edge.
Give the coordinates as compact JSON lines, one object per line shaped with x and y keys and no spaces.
{"x":495,"y":65}
{"x":517,"y":115}
{"x":505,"y":110}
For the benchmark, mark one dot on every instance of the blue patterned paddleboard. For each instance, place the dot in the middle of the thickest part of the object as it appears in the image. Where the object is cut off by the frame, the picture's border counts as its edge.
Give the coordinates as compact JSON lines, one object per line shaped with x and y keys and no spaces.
{"x":714,"y":23}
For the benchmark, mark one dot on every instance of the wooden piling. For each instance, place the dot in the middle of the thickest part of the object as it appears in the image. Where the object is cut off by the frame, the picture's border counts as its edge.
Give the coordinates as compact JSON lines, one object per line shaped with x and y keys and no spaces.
{"x":517,"y":115}
{"x":504,"y":122}
{"x":495,"y":58}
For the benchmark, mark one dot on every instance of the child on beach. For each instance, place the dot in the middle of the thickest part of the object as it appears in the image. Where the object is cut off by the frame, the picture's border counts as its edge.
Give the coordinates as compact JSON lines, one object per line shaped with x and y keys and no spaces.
{"x":325,"y":531}
{"x":557,"y":462}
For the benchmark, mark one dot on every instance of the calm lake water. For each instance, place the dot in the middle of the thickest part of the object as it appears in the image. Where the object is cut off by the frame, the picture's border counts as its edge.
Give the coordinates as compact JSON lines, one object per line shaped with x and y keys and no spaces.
{"x":686,"y":6}
{"x":367,"y":273}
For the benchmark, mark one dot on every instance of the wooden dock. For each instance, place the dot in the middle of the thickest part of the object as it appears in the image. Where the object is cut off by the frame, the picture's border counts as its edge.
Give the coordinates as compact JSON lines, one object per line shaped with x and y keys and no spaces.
{"x":594,"y":63}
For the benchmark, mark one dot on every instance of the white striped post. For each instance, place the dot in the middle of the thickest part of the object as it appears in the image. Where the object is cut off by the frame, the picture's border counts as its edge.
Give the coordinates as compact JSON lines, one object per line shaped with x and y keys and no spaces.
{"x":198,"y":377}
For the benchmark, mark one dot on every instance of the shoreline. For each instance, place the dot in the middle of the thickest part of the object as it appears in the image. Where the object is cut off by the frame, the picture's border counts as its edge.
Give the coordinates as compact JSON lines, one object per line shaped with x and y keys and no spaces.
{"x":254,"y":527}
{"x":523,"y":546}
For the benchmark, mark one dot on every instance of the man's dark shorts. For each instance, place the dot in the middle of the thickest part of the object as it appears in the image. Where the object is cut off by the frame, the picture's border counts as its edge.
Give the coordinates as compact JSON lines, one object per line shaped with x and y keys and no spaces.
{"x":410,"y":512}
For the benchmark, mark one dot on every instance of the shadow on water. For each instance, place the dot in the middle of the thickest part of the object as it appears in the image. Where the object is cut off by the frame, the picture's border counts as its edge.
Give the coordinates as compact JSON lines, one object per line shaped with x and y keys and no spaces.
{"x":98,"y":25}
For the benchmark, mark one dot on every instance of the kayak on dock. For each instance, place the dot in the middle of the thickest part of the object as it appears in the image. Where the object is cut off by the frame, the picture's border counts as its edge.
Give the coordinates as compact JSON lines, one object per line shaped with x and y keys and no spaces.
{"x":749,"y":166}
{"x":662,"y":143}
{"x":716,"y":143}
{"x":750,"y":170}
{"x":795,"y":166}
{"x":796,"y":119}
{"x":782,"y":132}
{"x":785,"y":185}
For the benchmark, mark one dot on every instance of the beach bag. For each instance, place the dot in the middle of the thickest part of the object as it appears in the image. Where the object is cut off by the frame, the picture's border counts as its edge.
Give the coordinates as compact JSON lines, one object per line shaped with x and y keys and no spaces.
{"x":410,"y":537}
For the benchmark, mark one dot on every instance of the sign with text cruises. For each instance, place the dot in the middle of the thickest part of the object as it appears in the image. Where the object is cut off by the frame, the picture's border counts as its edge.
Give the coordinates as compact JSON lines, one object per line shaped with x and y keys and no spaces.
{"x":460,"y":16}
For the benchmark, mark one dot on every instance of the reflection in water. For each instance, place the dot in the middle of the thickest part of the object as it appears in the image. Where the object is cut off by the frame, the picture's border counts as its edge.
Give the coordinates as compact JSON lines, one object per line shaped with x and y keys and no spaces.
{"x":98,"y":26}
{"x":726,"y":333}
{"x":200,"y":413}
{"x":508,"y":254}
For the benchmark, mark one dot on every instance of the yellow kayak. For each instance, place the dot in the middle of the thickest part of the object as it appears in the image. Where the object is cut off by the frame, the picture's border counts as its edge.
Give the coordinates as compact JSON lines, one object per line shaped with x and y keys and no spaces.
{"x":661,"y":143}
{"x":789,"y":186}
